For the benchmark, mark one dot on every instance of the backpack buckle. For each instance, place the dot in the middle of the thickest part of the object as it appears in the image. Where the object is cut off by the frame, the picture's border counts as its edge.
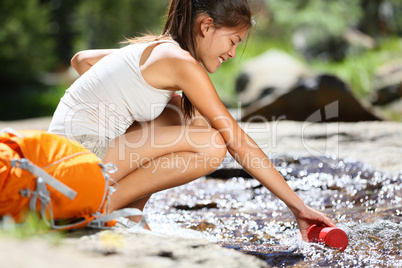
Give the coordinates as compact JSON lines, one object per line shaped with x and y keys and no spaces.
{"x":26,"y":192}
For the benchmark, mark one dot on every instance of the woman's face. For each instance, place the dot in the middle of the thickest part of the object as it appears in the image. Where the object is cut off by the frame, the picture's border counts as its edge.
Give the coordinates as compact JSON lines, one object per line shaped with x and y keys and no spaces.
{"x":218,"y":45}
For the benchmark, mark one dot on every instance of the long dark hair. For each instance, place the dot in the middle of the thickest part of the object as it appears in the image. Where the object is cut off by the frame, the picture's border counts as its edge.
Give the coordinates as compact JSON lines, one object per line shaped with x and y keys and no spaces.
{"x":181,"y":20}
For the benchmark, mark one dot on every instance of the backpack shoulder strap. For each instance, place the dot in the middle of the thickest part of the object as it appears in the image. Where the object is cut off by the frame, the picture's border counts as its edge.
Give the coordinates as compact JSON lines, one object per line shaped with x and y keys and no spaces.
{"x":100,"y":219}
{"x":40,"y":173}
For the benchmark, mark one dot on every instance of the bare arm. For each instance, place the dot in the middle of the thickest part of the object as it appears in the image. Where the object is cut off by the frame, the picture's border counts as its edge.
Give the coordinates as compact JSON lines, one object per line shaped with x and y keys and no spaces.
{"x":84,"y":60}
{"x":195,"y":83}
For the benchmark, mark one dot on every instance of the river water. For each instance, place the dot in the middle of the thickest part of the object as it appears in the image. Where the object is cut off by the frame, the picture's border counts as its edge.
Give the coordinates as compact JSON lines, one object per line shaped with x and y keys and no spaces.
{"x":237,"y":213}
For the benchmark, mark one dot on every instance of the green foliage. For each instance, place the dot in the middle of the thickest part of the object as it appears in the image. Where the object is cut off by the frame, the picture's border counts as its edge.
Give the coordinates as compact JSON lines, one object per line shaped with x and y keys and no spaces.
{"x":316,"y":27}
{"x":358,"y":71}
{"x":31,"y":100}
{"x":32,"y":226}
{"x":397,"y":14}
{"x":325,"y":18}
{"x":105,"y":23}
{"x":25,"y":45}
{"x":40,"y":36}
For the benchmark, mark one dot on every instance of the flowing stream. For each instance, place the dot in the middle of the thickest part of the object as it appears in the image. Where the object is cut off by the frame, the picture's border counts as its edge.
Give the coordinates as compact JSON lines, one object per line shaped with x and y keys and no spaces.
{"x":238,"y":213}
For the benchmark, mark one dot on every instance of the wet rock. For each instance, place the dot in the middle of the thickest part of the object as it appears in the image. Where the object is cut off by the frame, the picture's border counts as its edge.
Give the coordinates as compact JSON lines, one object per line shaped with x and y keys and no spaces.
{"x":227,"y":173}
{"x":203,"y":226}
{"x":388,"y":83}
{"x":197,"y":206}
{"x":324,"y":98}
{"x":279,"y":259}
{"x":272,"y":73}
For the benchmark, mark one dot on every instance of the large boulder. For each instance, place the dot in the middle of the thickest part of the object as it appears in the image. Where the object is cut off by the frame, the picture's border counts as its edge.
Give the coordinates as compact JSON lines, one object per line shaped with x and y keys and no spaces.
{"x":271,"y":74}
{"x":323,"y":98}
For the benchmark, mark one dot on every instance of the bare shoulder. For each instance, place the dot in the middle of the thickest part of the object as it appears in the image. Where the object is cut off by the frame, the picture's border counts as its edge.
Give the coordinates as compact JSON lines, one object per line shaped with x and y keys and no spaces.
{"x":171,"y":51}
{"x":181,"y":59}
{"x":164,"y":64}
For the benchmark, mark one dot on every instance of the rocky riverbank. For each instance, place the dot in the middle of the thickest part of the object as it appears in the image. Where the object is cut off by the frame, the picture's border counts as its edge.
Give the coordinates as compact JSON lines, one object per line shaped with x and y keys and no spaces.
{"x":120,"y":248}
{"x":378,"y":144}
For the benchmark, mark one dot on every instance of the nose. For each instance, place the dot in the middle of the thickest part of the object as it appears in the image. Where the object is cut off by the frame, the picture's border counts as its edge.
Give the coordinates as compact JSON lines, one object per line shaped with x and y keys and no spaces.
{"x":232,"y":52}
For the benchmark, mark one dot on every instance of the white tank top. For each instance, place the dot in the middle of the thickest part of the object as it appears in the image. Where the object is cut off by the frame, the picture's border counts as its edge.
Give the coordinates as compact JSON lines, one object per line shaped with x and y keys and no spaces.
{"x":109,"y":97}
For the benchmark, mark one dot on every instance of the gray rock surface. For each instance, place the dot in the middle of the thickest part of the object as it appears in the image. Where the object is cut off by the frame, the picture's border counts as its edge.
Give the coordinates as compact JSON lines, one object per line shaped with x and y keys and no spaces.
{"x":120,"y":248}
{"x":148,"y":250}
{"x":378,"y":144}
{"x":39,"y":253}
{"x":41,"y":123}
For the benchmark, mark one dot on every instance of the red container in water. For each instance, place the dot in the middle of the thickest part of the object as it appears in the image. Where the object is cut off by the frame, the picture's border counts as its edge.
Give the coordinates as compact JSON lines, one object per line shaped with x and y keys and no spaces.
{"x":331,"y":236}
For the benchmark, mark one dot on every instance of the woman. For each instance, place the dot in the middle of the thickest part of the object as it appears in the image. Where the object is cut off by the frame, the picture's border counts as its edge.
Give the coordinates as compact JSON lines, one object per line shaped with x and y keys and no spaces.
{"x":123,"y":108}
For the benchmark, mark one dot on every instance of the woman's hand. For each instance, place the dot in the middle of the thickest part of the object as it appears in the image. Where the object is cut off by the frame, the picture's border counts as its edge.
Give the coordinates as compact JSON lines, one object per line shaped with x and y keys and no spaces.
{"x":307,"y":217}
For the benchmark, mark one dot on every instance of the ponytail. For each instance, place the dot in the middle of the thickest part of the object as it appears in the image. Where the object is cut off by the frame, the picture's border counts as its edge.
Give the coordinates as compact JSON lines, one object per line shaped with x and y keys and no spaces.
{"x":180,"y":17}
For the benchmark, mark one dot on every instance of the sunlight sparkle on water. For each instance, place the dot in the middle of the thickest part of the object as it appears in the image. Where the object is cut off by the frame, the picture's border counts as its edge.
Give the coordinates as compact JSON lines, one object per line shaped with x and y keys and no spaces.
{"x":237,"y":213}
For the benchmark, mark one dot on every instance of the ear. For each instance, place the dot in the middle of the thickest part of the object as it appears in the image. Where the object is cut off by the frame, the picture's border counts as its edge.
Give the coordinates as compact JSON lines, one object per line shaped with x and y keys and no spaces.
{"x":206,"y":25}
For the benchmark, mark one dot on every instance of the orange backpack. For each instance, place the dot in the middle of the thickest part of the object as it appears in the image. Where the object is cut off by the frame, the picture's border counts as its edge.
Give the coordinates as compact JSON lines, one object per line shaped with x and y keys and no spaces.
{"x":57,"y":177}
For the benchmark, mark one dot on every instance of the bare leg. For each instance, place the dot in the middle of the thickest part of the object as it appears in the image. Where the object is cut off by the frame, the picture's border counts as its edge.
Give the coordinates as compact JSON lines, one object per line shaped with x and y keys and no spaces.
{"x":168,"y":157}
{"x":171,"y":116}
{"x":142,"y":173}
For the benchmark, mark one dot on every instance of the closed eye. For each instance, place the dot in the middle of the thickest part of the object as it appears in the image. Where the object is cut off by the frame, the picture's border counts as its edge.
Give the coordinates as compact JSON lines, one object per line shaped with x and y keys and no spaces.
{"x":232,"y":43}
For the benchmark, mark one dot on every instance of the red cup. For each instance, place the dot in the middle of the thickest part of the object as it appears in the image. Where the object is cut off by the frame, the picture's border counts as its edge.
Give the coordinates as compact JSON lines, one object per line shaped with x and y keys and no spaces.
{"x":331,"y":236}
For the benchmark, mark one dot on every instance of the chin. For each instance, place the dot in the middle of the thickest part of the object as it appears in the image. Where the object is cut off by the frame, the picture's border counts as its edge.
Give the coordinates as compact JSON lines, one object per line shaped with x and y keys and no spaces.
{"x":211,"y":70}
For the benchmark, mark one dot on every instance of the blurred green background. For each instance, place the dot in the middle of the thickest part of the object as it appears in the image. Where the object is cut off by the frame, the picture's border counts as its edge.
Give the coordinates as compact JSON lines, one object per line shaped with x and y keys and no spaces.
{"x":39,"y":37}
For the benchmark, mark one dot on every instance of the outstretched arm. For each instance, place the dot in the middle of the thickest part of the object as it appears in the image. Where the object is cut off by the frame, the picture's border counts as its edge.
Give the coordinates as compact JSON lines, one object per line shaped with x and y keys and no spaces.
{"x":84,"y":60}
{"x":196,"y":84}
